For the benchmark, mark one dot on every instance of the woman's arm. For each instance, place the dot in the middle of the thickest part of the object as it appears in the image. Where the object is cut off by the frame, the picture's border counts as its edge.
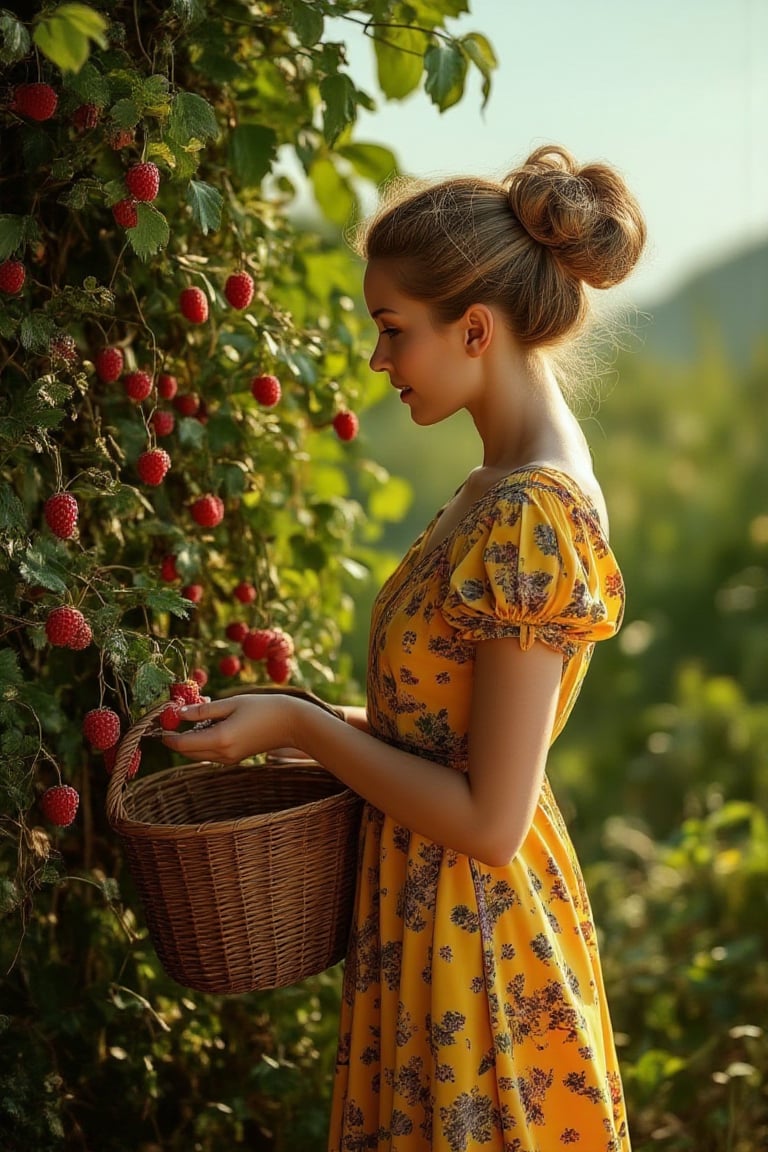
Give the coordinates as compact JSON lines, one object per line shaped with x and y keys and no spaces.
{"x":485,"y":813}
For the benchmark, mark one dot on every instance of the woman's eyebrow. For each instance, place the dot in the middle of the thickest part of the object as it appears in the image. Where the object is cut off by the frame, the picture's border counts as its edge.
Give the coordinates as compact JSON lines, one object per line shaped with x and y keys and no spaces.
{"x":379,"y":311}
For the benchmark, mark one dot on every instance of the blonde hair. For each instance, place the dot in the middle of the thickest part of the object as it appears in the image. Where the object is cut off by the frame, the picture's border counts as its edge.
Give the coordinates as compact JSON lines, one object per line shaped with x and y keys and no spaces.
{"x":530,"y":244}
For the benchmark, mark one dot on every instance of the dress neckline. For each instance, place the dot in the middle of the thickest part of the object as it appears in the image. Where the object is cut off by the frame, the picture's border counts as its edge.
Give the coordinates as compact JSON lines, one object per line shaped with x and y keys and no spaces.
{"x":526,"y":469}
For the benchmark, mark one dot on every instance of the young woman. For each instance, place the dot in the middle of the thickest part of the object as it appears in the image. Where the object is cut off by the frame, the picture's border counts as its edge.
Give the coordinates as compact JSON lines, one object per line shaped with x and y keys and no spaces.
{"x":474,"y":1013}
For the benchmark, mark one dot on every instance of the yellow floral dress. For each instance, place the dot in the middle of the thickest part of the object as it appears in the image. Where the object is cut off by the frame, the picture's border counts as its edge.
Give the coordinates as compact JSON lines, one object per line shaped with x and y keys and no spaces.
{"x":473,"y":1012}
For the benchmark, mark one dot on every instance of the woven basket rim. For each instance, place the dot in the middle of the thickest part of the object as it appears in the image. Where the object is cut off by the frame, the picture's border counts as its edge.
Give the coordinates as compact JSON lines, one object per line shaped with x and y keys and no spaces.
{"x":126,"y":825}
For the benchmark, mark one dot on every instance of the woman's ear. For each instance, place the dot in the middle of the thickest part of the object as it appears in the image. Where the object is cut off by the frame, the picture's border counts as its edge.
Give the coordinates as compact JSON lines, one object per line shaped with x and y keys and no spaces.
{"x":478,"y":329}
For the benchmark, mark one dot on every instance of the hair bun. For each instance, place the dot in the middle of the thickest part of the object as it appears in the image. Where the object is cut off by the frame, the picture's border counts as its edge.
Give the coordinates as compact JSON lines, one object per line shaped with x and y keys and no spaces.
{"x":587,"y":216}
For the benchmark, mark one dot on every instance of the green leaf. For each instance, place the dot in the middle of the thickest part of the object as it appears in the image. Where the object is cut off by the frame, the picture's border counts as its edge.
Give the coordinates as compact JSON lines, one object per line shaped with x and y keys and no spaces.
{"x":36,"y":332}
{"x":90,"y":86}
{"x":399,"y":60}
{"x":205,"y":202}
{"x":151,"y":233}
{"x":252,"y":150}
{"x":125,"y":113}
{"x":64,"y":36}
{"x":12,"y":232}
{"x":371,"y":161}
{"x":192,"y":117}
{"x":10,"y":673}
{"x":446,"y":68}
{"x":14,"y":39}
{"x":332,"y":191}
{"x":481,"y":53}
{"x":338,"y":93}
{"x":190,"y":11}
{"x":40,"y":569}
{"x":432,"y":13}
{"x":307,"y":22}
{"x":150,"y":682}
{"x":166,"y":600}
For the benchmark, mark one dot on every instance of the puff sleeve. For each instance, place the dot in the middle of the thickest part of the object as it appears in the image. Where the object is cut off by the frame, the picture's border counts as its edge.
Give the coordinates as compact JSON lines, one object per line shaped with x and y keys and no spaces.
{"x":534,"y":563}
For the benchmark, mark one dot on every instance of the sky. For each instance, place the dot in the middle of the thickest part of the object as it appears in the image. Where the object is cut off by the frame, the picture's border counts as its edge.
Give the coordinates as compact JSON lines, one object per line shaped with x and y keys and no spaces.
{"x":674,"y":93}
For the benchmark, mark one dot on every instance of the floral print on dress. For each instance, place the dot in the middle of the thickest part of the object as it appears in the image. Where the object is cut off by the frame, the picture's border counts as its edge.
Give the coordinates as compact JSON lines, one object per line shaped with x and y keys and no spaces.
{"x":473,"y":1008}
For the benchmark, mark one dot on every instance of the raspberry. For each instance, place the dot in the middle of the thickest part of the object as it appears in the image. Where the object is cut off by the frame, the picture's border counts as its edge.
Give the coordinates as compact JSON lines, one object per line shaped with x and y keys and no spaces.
{"x":229,"y":665}
{"x":266,"y":389}
{"x":120,"y":138}
{"x":35,"y":101}
{"x":193,"y":592}
{"x":143,"y":181}
{"x":187,"y":403}
{"x":59,"y":804}
{"x":280,"y":646}
{"x":125,"y":213}
{"x":256,"y":643}
{"x":83,"y":637}
{"x":202,"y":413}
{"x":101,"y":728}
{"x":60,"y":513}
{"x":153,"y":465}
{"x":245,"y":592}
{"x":346,"y":425}
{"x":62,"y":626}
{"x":138,"y":385}
{"x":167,"y":386}
{"x":278,"y":670}
{"x":170,"y":717}
{"x":108,"y":364}
{"x":194,"y":305}
{"x":186,"y":692}
{"x":12,"y":277}
{"x":110,"y":755}
{"x":168,"y":571}
{"x":86,"y":116}
{"x":200,"y":676}
{"x":62,"y":348}
{"x":239,"y":290}
{"x":208,"y":511}
{"x":163,"y":423}
{"x":237,"y":631}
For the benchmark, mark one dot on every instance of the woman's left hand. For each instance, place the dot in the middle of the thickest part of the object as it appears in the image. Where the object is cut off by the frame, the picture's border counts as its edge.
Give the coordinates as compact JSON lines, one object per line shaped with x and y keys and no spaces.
{"x":242,"y":726}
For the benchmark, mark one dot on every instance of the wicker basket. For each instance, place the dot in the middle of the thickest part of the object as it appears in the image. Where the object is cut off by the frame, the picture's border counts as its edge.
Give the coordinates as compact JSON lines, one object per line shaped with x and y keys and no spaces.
{"x":246,"y":874}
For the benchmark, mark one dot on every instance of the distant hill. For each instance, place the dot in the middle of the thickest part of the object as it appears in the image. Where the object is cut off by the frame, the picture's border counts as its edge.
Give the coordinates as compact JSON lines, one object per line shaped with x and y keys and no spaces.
{"x":726,"y":305}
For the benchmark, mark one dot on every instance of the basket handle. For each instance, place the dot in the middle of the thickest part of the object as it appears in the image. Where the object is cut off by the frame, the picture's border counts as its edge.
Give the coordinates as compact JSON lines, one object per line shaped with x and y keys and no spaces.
{"x":146,"y":724}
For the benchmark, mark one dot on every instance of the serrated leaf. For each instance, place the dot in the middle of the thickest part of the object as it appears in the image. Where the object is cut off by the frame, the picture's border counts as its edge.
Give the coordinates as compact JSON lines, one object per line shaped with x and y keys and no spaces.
{"x":192,"y":117}
{"x":125,"y":113}
{"x":157,"y":150}
{"x":12,"y":232}
{"x":338,"y":93}
{"x":151,"y":233}
{"x":40,"y":570}
{"x":36,"y":331}
{"x":205,"y":202}
{"x":481,"y":53}
{"x":446,"y":68}
{"x":150,"y":682}
{"x":166,"y":600}
{"x":399,"y":60}
{"x":90,"y":86}
{"x":14,"y":39}
{"x":65,"y":35}
{"x":190,"y":11}
{"x":10,"y":673}
{"x":307,"y":22}
{"x":252,"y":149}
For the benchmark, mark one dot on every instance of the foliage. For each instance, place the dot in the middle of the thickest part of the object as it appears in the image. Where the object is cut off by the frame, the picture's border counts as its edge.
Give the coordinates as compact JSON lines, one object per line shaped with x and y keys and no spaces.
{"x":97,"y":1046}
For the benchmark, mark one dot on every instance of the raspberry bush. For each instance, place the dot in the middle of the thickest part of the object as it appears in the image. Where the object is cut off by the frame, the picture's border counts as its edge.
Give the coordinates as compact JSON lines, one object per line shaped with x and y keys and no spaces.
{"x":150,"y":270}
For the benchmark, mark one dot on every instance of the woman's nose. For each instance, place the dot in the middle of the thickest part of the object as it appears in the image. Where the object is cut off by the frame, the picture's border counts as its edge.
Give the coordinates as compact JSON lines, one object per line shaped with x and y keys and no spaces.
{"x":377,"y":361}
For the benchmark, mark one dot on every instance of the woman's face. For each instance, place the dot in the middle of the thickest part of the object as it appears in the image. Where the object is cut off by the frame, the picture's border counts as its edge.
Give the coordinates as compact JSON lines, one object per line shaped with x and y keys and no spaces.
{"x":426,"y":361}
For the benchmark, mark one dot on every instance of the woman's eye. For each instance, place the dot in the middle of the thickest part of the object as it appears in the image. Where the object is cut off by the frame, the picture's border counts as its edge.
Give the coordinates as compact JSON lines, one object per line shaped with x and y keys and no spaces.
{"x":390,"y":332}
